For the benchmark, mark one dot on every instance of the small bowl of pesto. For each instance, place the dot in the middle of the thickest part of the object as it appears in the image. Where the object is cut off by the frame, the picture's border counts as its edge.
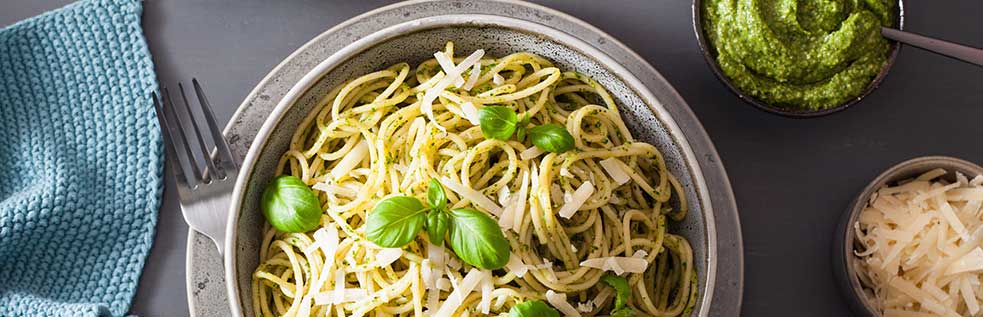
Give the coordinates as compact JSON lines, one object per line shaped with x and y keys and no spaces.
{"x":798,"y":58}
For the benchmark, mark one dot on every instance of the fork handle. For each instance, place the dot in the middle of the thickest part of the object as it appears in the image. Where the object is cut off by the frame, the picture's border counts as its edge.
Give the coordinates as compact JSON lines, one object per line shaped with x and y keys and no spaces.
{"x":961,"y":52}
{"x":209,"y":219}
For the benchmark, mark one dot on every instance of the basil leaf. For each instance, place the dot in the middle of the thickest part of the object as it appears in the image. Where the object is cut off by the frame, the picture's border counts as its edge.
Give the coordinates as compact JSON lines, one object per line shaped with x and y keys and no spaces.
{"x":551,"y":138}
{"x":477,"y":239}
{"x":436,"y":196}
{"x":395,"y":221}
{"x":520,"y":130}
{"x":437,"y":221}
{"x":290,"y":206}
{"x":623,"y":291}
{"x":497,"y":122}
{"x":535,"y":308}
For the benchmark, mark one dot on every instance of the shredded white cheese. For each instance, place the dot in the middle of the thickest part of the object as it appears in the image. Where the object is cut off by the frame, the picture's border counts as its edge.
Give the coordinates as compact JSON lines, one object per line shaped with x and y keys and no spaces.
{"x":921,"y":246}
{"x":503,"y":195}
{"x":326,"y":238}
{"x":335,"y":190}
{"x":617,"y":169}
{"x":461,"y":291}
{"x":433,"y":269}
{"x":516,"y":266}
{"x":617,"y":264}
{"x":577,"y":200}
{"x":470,"y":113}
{"x":473,"y":77}
{"x":452,"y":75}
{"x":559,"y":301}
{"x":487,"y":286}
{"x":498,"y":79}
{"x":387,"y":256}
{"x":350,"y":160}
{"x":447,"y":65}
{"x":516,"y":207}
{"x":585,"y":307}
{"x":530,"y":153}
{"x":566,"y":173}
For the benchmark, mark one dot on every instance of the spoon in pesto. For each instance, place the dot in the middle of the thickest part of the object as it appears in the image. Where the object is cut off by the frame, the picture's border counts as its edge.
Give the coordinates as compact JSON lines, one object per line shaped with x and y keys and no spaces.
{"x":961,"y":52}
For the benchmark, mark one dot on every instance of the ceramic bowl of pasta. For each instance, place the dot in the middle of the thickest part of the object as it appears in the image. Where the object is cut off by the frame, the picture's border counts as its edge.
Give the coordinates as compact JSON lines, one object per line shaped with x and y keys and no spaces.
{"x":470,"y":165}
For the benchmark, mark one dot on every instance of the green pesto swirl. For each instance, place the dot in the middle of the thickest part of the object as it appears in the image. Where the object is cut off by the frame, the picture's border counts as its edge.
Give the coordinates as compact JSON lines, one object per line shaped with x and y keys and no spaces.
{"x":799,"y":54}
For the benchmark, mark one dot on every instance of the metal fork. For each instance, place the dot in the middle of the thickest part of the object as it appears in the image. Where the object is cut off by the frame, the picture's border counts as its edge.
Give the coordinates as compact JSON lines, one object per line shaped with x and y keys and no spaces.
{"x":204,"y":180}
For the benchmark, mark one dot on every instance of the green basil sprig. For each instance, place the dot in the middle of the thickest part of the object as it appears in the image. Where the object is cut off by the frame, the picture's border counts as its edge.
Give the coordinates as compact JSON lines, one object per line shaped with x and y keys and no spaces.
{"x":477,"y":239}
{"x":623,"y":292}
{"x":551,"y":138}
{"x":436,"y":196}
{"x":474,"y":236}
{"x":497,"y":122}
{"x":535,"y":308}
{"x":437,"y":222}
{"x":290,"y":206}
{"x":395,"y":221}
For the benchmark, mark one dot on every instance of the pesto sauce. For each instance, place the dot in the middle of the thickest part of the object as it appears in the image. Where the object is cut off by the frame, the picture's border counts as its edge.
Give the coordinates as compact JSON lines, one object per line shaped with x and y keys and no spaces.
{"x":799,"y":54}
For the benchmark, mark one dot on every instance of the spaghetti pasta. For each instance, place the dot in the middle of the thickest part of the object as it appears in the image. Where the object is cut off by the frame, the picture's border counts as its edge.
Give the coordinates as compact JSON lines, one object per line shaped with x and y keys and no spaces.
{"x":390,"y":132}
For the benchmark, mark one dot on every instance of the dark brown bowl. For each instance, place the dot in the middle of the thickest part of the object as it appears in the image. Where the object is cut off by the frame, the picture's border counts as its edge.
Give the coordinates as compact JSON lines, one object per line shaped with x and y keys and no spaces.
{"x":710,"y":55}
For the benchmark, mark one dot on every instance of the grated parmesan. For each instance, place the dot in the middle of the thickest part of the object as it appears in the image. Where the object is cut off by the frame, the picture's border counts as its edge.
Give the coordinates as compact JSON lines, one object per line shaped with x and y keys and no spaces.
{"x":470,"y":281}
{"x":559,"y":301}
{"x":530,"y":153}
{"x":617,"y":169}
{"x":920,"y":250}
{"x":617,"y":264}
{"x":498,"y":79}
{"x":452,"y":75}
{"x":516,"y":266}
{"x":473,"y":77}
{"x":350,"y":160}
{"x":387,"y":256}
{"x":577,"y":200}
{"x":470,"y":112}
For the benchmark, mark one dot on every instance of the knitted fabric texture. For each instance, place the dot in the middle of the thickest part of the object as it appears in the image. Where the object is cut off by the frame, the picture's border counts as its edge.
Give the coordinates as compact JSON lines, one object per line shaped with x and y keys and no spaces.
{"x":80,"y":160}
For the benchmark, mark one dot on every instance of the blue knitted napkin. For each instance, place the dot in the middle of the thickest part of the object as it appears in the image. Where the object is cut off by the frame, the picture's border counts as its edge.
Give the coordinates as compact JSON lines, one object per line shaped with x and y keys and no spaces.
{"x":80,"y":160}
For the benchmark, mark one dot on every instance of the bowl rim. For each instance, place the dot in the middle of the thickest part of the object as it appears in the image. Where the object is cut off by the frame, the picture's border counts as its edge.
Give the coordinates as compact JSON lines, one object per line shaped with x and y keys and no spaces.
{"x":846,"y":274}
{"x":709,"y":55}
{"x":457,"y":20}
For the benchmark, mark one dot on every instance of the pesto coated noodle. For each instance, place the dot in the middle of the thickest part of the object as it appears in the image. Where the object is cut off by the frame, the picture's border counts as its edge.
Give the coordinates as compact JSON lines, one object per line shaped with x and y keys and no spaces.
{"x":570,"y":218}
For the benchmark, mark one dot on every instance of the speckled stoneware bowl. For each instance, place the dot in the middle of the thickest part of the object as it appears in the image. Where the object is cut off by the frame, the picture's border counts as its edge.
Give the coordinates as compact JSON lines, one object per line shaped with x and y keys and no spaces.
{"x":417,"y":40}
{"x":710,"y":55}
{"x":844,"y":261}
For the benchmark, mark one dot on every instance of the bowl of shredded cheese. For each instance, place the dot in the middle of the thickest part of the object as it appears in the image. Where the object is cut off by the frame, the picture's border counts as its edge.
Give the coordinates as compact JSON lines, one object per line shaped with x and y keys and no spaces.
{"x":911,"y":243}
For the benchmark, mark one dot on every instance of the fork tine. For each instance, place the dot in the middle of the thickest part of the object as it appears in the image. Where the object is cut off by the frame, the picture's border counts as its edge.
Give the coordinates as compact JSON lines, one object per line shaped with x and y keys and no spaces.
{"x":178,"y":162}
{"x":222,"y":147}
{"x":211,"y":172}
{"x":182,"y":139}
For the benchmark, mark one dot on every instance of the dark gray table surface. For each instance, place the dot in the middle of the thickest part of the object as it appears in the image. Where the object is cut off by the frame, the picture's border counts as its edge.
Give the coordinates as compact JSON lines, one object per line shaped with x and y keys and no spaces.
{"x":792,"y":177}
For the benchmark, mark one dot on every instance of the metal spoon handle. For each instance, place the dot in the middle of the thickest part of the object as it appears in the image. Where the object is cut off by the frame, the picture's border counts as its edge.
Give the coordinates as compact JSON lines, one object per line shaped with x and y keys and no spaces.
{"x":961,"y":52}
